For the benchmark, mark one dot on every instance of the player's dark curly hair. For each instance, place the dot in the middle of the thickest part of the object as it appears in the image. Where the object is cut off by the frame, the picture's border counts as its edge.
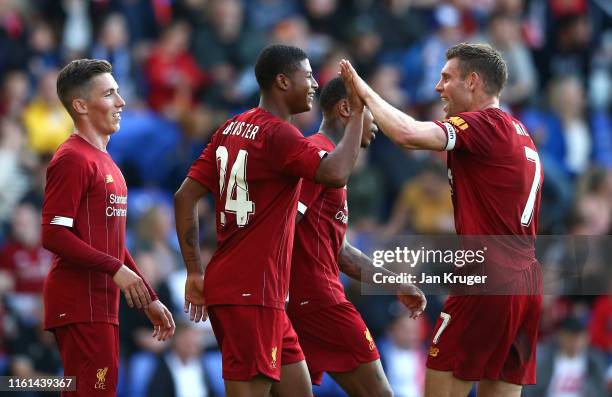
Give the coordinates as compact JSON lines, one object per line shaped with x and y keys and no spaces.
{"x":483,"y":59}
{"x":276,"y":59}
{"x":74,"y":78}
{"x":331,"y":94}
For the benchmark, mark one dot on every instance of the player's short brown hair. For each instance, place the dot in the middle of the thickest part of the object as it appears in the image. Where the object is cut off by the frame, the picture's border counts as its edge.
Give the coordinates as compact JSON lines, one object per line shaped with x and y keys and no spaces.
{"x":484,"y":60}
{"x":74,"y":78}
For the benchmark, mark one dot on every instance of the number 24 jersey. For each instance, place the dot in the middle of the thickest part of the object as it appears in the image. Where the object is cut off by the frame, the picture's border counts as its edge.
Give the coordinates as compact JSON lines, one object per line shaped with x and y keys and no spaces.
{"x":253,"y":165}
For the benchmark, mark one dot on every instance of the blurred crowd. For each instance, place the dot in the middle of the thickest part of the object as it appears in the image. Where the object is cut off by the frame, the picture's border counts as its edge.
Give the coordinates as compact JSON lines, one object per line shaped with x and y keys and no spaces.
{"x":184,"y":66}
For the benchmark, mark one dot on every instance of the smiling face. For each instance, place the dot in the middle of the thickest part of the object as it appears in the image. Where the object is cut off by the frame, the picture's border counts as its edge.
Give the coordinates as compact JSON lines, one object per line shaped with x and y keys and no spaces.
{"x":302,"y":88}
{"x":104,"y":104}
{"x":454,"y":89}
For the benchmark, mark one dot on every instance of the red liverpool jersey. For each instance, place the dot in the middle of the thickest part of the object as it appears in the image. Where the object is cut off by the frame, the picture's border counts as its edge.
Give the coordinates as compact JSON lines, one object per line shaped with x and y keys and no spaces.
{"x":253,"y":165}
{"x":85,"y":192}
{"x":495,"y":176}
{"x":315,"y":282}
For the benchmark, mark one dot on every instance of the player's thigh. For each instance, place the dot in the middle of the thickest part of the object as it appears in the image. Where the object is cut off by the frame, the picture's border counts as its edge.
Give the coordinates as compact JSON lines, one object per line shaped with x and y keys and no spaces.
{"x":367,"y":380}
{"x":90,"y":351}
{"x":498,"y":388}
{"x":444,"y":384}
{"x":257,"y":386}
{"x":295,"y":381}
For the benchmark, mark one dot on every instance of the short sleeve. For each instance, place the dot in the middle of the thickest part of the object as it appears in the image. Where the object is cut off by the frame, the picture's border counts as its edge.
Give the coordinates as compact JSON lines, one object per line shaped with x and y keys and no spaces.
{"x":292,"y":154}
{"x":309,"y":193}
{"x":67,"y":182}
{"x":468,"y":131}
{"x":204,"y":169}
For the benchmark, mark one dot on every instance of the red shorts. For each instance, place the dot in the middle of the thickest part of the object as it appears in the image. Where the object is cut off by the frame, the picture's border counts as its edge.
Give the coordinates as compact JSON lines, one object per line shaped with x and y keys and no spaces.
{"x":334,"y":339}
{"x":254,"y":340}
{"x":90,"y":351}
{"x":488,"y":337}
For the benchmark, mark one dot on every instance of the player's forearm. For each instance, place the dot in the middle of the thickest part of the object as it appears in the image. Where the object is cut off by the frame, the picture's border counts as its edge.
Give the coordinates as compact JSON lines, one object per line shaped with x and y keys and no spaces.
{"x":395,"y":124}
{"x":359,"y":266}
{"x":65,"y":244}
{"x":335,"y":169}
{"x":187,"y":230}
{"x":131,"y":263}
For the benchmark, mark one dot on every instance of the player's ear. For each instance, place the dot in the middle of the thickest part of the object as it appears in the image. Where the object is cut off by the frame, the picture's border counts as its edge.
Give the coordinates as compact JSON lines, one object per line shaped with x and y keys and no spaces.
{"x":343,"y":108}
{"x":472,"y":80}
{"x":79,"y":105}
{"x":282,"y":81}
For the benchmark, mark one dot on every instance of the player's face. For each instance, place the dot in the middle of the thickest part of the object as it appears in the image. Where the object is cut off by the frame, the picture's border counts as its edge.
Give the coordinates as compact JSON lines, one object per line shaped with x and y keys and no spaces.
{"x":104,"y":104}
{"x":303,"y":88}
{"x":453,"y":89}
{"x":369,"y":129}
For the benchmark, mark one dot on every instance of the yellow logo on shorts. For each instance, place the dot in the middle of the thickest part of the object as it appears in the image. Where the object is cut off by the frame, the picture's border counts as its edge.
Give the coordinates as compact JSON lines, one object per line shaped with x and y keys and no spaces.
{"x":101,"y":375}
{"x":273,"y":363}
{"x":369,"y":338}
{"x":433,"y":351}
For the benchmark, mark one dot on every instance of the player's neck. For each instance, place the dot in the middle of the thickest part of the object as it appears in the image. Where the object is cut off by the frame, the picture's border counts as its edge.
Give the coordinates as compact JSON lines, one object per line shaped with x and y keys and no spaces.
{"x":275,"y":107}
{"x":485,"y":103}
{"x":97,"y":140}
{"x":332,"y":129}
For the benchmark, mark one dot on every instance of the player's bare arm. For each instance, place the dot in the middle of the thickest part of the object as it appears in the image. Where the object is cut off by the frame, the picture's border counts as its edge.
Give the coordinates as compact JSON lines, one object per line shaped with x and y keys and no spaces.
{"x":359,"y":266}
{"x":186,"y":214}
{"x":335,"y":169}
{"x":402,"y":129}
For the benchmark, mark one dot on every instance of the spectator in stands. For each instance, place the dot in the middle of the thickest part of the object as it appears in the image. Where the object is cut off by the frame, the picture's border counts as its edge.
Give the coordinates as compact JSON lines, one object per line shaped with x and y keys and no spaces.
{"x":14,"y":94}
{"x":44,"y":52}
{"x":180,"y":371}
{"x":568,"y":366}
{"x":14,"y":180}
{"x":569,"y":51}
{"x":154,"y":231}
{"x":430,"y":54}
{"x":226,"y":46}
{"x":23,"y":256}
{"x":174,"y":77}
{"x":400,"y":23}
{"x":504,"y":33}
{"x":77,"y":34}
{"x":403,"y":355}
{"x":593,"y":203}
{"x":424,"y":204}
{"x":46,"y":121}
{"x":112,"y":45}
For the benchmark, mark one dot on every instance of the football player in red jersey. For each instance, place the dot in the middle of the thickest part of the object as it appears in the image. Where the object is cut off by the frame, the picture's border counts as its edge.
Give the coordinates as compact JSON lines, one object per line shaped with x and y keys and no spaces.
{"x":331,"y":332}
{"x":83,"y":225}
{"x":253,"y":166}
{"x":495,"y":176}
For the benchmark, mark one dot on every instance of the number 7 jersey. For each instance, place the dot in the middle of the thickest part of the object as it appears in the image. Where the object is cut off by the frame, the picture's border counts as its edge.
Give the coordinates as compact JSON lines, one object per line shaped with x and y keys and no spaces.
{"x":253,"y":165}
{"x":495,"y":176}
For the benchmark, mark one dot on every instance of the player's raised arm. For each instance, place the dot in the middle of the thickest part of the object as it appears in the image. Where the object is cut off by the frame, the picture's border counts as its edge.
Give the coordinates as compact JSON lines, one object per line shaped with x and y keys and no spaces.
{"x":402,"y":129}
{"x":335,"y":169}
{"x":187,"y":230}
{"x":359,"y":266}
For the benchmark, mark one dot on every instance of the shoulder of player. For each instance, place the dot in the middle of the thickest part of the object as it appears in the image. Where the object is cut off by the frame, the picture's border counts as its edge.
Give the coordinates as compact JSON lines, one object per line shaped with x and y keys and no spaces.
{"x":70,"y":154}
{"x":321,"y":142}
{"x":487,"y":119}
